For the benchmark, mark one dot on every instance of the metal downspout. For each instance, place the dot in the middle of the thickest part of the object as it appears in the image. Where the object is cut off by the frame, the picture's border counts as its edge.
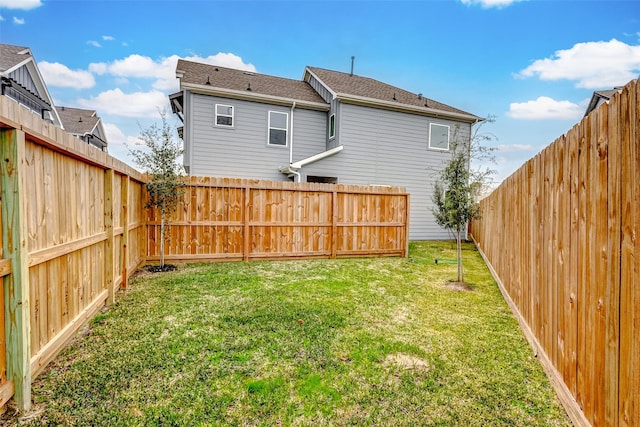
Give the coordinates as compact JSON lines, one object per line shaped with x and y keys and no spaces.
{"x":293,"y":106}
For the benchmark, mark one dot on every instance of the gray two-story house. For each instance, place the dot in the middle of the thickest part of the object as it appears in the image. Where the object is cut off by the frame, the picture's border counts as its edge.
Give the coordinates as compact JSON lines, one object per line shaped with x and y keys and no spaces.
{"x":328,"y":127}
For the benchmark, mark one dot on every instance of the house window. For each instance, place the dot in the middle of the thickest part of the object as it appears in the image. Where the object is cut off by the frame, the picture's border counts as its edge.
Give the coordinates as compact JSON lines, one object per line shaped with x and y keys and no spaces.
{"x":322,"y":179}
{"x":224,"y":115}
{"x":278,"y":124}
{"x":332,"y":126}
{"x":438,"y":136}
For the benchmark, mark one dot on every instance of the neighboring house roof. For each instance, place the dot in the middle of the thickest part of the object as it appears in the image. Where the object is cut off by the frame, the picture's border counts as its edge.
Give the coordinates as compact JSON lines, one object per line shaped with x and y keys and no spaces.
{"x":599,"y":97}
{"x":84,"y":123}
{"x":238,"y":84}
{"x":12,"y":58}
{"x":77,"y":120}
{"x":344,"y":85}
{"x":228,"y":82}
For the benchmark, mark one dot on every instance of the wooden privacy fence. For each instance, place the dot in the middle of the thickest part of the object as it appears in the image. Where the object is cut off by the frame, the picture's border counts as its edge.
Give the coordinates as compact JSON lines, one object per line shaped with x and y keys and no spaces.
{"x":562,"y":237}
{"x":222,"y":218}
{"x":72,"y":230}
{"x":74,"y":227}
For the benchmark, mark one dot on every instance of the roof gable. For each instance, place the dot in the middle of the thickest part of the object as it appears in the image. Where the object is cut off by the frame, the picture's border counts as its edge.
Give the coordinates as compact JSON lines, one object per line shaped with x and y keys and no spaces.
{"x":13,"y":57}
{"x":600,"y":96}
{"x":212,"y":77}
{"x":18,"y":65}
{"x":352,"y":85}
{"x":77,"y":120}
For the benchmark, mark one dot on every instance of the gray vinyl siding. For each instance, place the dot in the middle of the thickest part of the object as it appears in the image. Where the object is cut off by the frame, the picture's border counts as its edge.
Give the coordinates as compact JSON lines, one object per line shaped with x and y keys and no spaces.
{"x":187,"y":130}
{"x":390,"y":148}
{"x":324,"y":92}
{"x":381,"y":147}
{"x":22,"y":76}
{"x":334,"y":109}
{"x":243,"y":151}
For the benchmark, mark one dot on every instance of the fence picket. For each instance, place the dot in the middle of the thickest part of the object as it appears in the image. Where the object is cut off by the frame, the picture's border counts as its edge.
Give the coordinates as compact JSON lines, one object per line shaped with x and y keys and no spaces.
{"x":579,"y":290}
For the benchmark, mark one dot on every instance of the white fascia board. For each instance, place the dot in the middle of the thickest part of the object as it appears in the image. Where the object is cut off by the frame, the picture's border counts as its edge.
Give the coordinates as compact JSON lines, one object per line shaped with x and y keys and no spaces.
{"x":18,"y":65}
{"x":311,"y":73}
{"x":396,"y":106}
{"x":256,"y":97}
{"x":32,"y":66}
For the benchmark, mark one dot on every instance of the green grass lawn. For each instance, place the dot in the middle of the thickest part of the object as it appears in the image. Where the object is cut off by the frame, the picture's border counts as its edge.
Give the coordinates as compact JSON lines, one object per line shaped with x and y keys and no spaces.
{"x":372,"y":341}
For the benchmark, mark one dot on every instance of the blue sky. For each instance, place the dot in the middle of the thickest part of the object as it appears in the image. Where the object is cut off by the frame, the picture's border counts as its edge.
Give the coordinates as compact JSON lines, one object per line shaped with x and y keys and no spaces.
{"x":532,"y":64}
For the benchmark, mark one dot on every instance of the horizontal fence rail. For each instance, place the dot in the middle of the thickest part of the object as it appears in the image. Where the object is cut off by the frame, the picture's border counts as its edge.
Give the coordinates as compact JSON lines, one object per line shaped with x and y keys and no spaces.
{"x":561,"y":236}
{"x":75,"y":227}
{"x":223,"y":218}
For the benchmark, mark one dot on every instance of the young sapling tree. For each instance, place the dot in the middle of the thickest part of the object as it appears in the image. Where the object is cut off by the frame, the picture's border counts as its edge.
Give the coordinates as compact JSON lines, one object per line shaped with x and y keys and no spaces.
{"x":159,"y":158}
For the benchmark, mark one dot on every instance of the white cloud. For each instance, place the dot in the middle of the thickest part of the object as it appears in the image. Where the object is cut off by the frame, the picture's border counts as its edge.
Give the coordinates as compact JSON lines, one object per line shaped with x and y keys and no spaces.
{"x":115,"y":136}
{"x":514,"y":148}
{"x":93,"y":43}
{"x":164,"y":69}
{"x":99,"y":68}
{"x":490,"y":3}
{"x":18,"y":21}
{"x":591,"y":64}
{"x":117,"y":103}
{"x":56,"y":74}
{"x":1,"y":18}
{"x":20,"y":4}
{"x":545,"y":108}
{"x":108,"y":38}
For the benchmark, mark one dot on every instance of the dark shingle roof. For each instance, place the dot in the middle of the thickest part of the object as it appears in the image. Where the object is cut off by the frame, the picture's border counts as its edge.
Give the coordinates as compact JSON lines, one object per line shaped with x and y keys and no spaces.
{"x":228,"y":78}
{"x":77,"y":120}
{"x":598,"y":95}
{"x":347,"y":84}
{"x":10,"y":56}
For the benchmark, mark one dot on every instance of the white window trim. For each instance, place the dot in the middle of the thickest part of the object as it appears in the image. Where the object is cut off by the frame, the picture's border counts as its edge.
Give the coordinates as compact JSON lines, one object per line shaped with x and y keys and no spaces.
{"x":233,"y":116}
{"x":269,"y":127}
{"x":448,"y":137}
{"x":332,"y":116}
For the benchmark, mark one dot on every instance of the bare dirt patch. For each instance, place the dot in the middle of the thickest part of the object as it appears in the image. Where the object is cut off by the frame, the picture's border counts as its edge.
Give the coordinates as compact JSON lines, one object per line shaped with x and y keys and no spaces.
{"x":406,"y":362}
{"x":459,"y":287}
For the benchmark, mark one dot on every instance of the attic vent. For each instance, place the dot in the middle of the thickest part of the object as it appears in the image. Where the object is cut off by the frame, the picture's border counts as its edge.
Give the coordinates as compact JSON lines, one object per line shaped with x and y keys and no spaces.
{"x":419,"y":96}
{"x":249,"y":73}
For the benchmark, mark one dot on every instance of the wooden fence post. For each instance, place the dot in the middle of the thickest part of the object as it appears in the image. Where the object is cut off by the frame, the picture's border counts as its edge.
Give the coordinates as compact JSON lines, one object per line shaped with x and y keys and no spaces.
{"x":16,"y":284}
{"x":406,"y":225}
{"x":108,"y":226}
{"x":245,"y":218}
{"x":334,"y":224}
{"x":125,"y":230}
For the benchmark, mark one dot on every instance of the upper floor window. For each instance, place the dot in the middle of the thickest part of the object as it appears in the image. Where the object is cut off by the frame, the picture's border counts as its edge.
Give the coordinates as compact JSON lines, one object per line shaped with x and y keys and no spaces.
{"x":332,"y":126}
{"x":438,"y":136}
{"x":278,"y":125}
{"x":224,"y":115}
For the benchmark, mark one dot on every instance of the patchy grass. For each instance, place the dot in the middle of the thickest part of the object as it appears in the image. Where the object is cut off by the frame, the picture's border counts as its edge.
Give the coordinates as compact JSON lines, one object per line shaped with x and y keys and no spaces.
{"x":377,"y":341}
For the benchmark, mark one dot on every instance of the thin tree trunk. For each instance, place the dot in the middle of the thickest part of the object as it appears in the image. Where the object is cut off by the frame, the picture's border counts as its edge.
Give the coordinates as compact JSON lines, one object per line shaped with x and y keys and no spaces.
{"x":162,"y":236}
{"x":459,"y":243}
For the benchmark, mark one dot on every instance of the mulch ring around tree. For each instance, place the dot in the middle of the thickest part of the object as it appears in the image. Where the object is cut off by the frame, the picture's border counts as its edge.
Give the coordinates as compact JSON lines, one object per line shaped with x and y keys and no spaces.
{"x":160,"y":268}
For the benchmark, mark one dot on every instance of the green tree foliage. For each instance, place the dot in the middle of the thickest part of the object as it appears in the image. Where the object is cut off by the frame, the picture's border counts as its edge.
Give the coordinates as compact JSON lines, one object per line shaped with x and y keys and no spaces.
{"x":159,"y":159}
{"x":457,"y":187}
